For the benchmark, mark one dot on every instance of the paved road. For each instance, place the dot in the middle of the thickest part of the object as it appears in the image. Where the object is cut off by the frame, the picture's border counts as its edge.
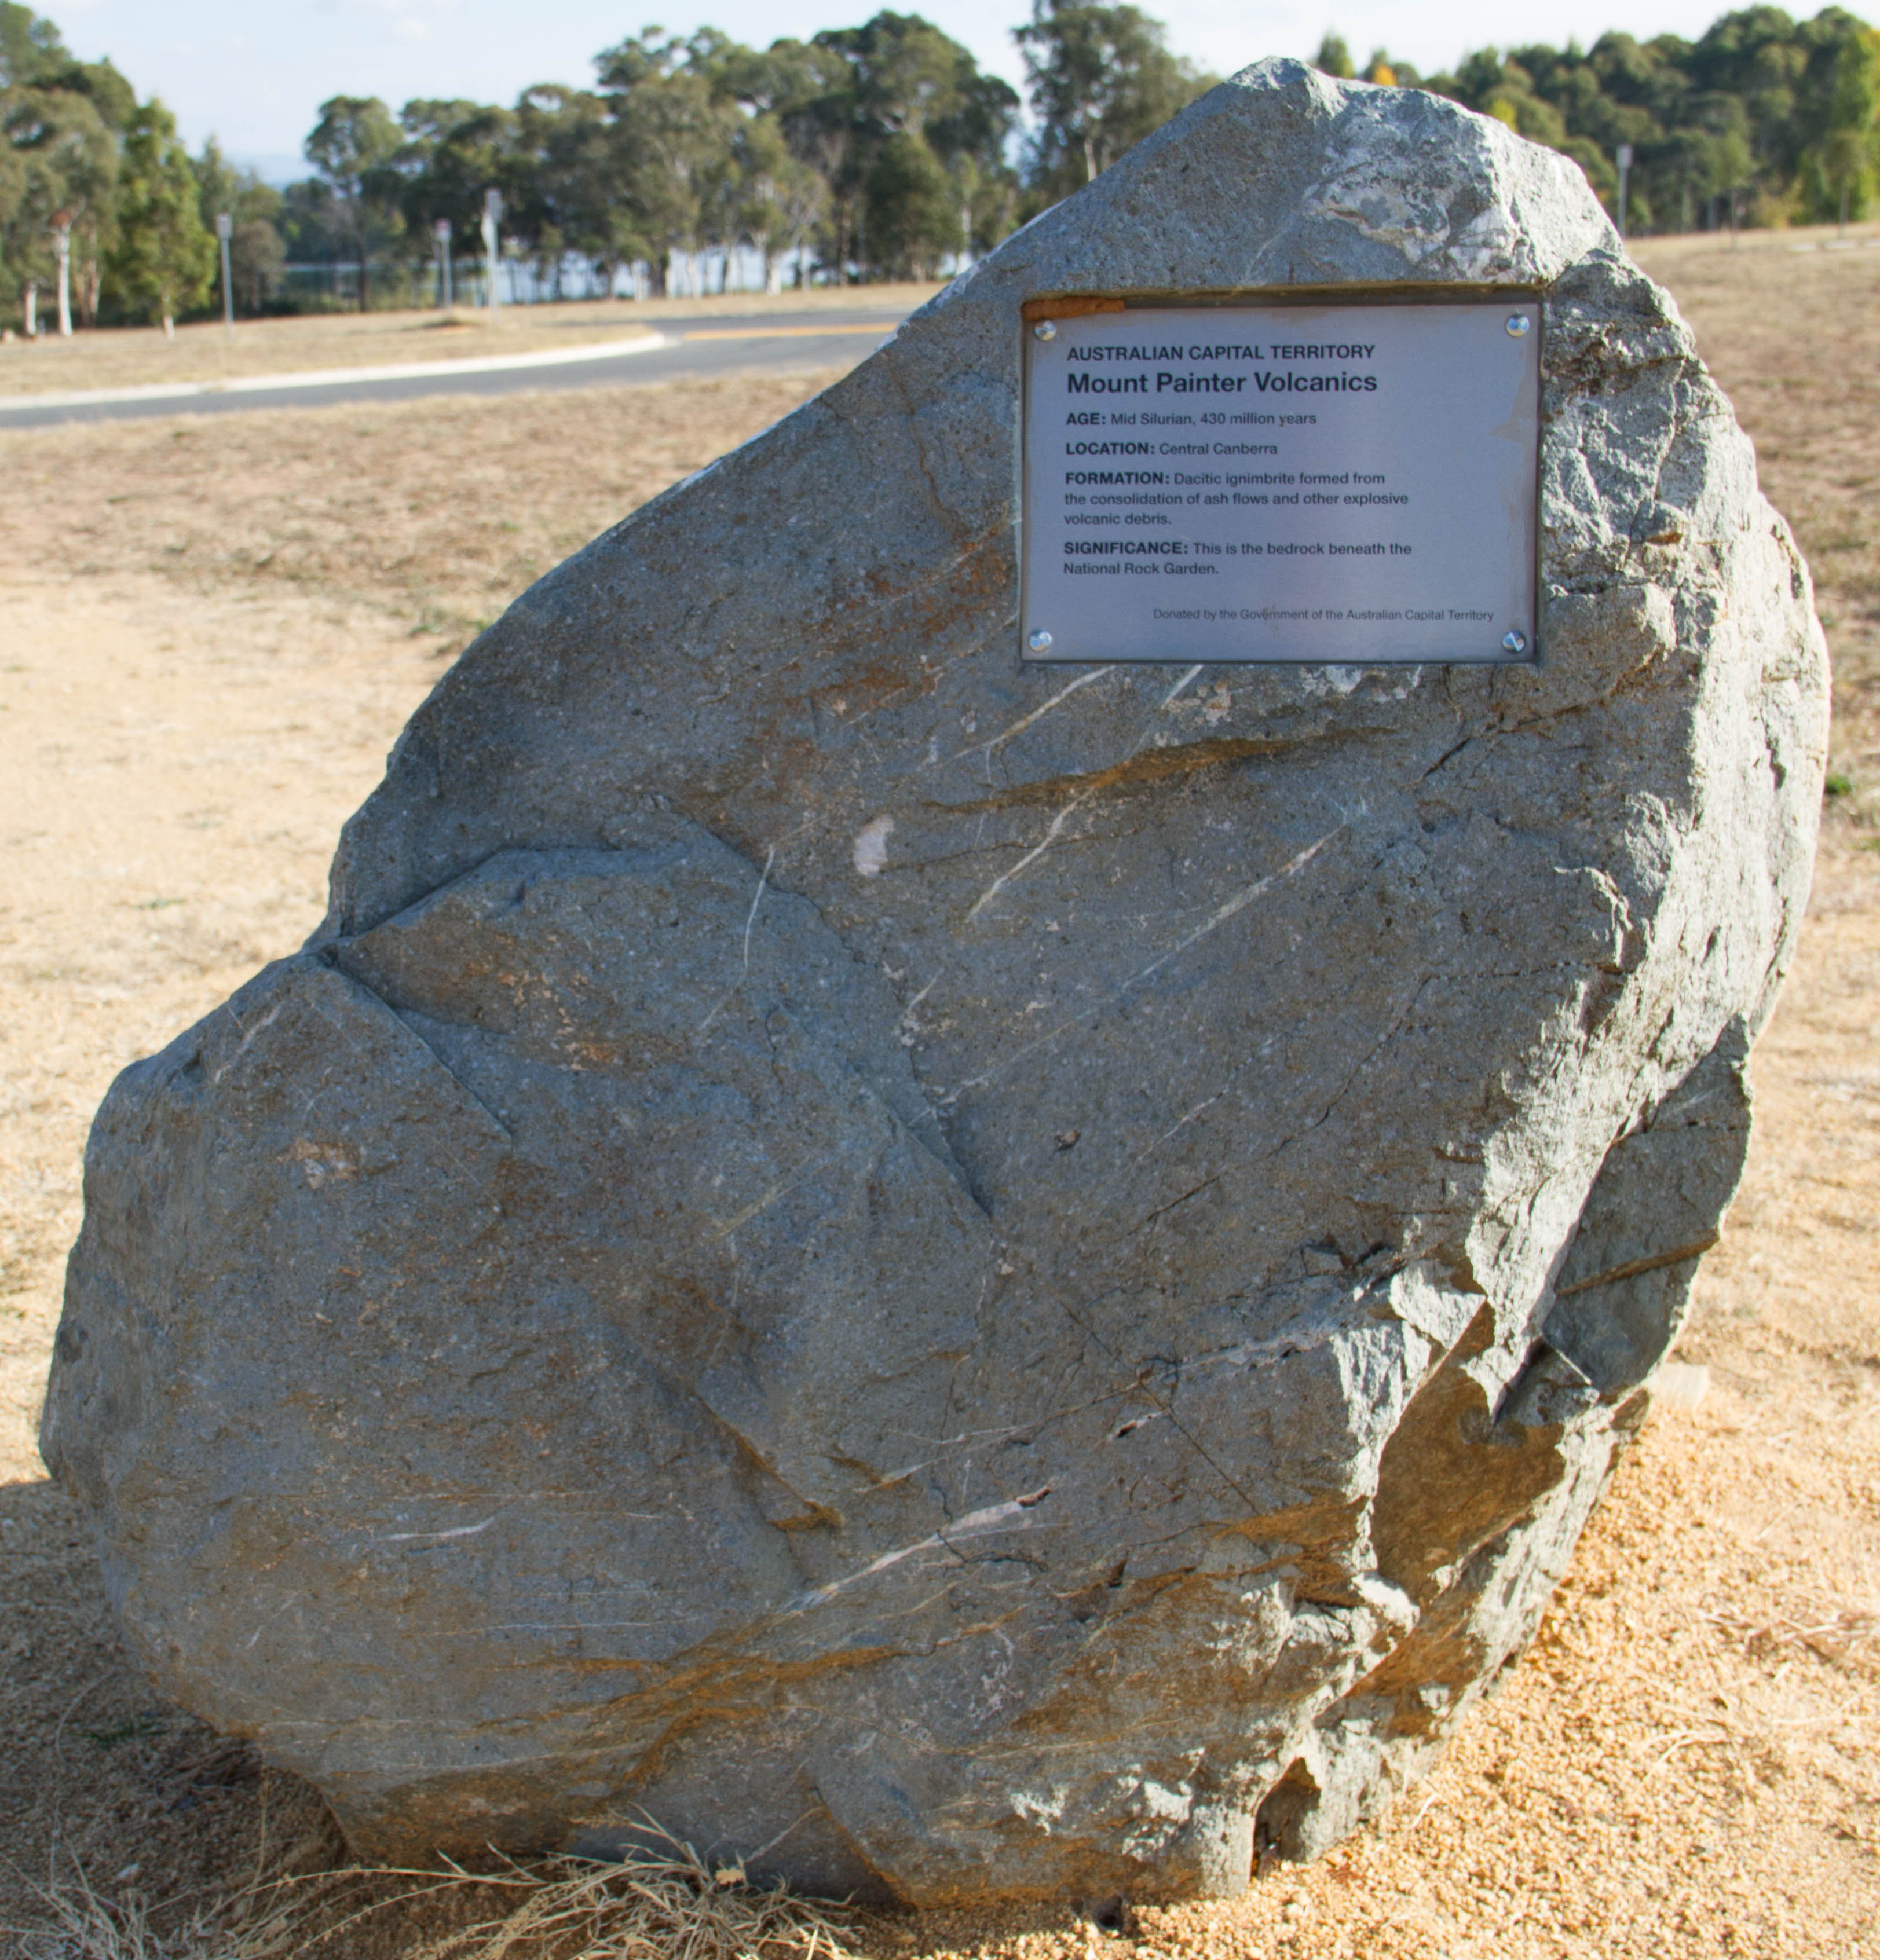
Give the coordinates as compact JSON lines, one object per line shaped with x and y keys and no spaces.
{"x":707,"y":344}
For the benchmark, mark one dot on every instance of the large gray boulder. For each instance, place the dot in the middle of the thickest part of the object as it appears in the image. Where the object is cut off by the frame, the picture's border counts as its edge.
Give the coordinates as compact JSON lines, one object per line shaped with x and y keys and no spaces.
{"x":963,"y":1279}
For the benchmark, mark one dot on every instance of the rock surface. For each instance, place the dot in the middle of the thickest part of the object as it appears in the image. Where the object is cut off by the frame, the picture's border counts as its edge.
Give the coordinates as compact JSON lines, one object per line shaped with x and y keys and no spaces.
{"x":960,"y":1279}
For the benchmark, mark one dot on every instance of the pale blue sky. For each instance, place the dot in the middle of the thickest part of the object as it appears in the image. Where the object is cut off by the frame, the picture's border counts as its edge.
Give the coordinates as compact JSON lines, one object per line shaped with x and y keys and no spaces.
{"x":253,"y":71}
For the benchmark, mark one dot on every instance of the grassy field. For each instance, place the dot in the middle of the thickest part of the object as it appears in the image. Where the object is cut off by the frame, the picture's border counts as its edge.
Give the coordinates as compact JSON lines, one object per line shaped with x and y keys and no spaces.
{"x":207,"y":641}
{"x":141,"y":357}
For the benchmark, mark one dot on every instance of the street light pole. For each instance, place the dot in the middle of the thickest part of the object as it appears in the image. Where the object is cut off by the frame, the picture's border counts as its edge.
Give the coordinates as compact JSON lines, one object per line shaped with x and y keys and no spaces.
{"x":442,"y":228}
{"x":224,"y":230}
{"x":493,"y":216}
{"x":1623,"y":157}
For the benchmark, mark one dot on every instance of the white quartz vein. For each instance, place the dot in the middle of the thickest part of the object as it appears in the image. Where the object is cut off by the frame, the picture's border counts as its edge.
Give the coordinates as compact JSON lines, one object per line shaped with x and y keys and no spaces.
{"x":1212,"y":923}
{"x":1038,"y":714}
{"x":975,"y":1524}
{"x":1036,"y":852}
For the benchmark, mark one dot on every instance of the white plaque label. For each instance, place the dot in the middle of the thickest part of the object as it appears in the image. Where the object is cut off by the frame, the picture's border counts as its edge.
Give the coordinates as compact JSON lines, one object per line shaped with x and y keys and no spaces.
{"x":1344,"y":485}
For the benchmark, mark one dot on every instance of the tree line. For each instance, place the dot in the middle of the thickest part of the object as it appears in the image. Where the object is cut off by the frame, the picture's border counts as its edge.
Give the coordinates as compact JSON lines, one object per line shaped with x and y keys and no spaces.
{"x":882,"y":151}
{"x":878,"y":151}
{"x":1764,"y":120}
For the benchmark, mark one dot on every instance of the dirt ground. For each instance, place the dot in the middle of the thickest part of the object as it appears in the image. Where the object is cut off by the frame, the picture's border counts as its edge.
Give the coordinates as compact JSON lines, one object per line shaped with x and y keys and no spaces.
{"x":141,"y":357}
{"x":208,"y":639}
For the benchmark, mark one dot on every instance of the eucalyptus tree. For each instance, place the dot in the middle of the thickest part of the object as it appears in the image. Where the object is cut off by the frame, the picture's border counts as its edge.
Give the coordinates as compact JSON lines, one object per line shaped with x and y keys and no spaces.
{"x":453,"y":151}
{"x":563,"y":196}
{"x":162,"y":261}
{"x":19,"y":227}
{"x":33,"y":55}
{"x":1846,"y":154}
{"x":256,"y":251}
{"x":783,"y":199}
{"x":30,"y":46}
{"x":974,"y":143}
{"x":924,"y":134}
{"x":674,"y":120}
{"x":62,"y":170}
{"x":353,"y":146}
{"x":61,"y":123}
{"x":78,"y":159}
{"x":812,"y":91}
{"x":912,"y":208}
{"x":1101,"y":79}
{"x":1762,"y":110}
{"x":793,"y":142}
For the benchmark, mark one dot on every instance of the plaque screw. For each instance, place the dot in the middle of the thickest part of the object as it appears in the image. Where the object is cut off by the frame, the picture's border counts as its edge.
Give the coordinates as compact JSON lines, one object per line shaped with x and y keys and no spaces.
{"x":1044,"y":330}
{"x":1519,"y":323}
{"x":1515,"y":641}
{"x":1040,"y":642}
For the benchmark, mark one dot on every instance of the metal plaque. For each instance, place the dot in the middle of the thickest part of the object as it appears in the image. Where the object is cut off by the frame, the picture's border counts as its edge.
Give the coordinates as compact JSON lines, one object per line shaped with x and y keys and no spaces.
{"x":1343,"y":484}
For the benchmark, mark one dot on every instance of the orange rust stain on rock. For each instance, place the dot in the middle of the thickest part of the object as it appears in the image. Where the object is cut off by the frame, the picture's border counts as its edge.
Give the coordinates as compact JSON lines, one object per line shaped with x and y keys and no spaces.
{"x":1073,"y":307}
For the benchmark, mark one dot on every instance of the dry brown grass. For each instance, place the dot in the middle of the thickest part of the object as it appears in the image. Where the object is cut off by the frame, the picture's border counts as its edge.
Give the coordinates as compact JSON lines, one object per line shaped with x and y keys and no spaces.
{"x":1684,"y":1764}
{"x":435,"y":514}
{"x":664,"y":1903}
{"x":140,"y":357}
{"x":1794,"y":336}
{"x":661,"y":1902}
{"x":209,"y":633}
{"x":74,"y":1921}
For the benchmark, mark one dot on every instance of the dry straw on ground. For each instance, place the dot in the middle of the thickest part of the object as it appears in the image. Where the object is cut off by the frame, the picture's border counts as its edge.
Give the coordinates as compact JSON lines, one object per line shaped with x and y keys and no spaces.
{"x":663,"y":1902}
{"x":198,"y":680}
